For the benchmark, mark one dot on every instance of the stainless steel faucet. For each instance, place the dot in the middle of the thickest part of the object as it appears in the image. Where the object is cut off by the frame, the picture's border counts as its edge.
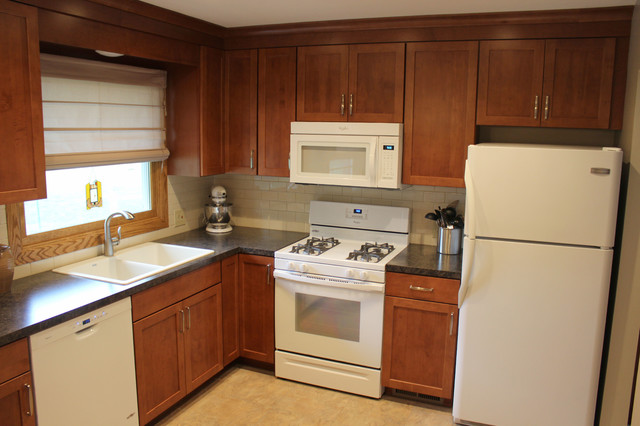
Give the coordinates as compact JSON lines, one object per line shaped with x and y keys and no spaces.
{"x":109,"y":242}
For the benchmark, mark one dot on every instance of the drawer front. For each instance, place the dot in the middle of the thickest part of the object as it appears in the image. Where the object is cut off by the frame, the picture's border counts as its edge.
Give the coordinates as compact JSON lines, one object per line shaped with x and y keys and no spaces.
{"x":14,"y":359}
{"x":420,"y":287}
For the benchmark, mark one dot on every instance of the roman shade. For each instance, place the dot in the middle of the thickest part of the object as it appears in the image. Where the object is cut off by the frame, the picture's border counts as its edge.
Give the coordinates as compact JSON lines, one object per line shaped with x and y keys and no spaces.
{"x":98,"y":113}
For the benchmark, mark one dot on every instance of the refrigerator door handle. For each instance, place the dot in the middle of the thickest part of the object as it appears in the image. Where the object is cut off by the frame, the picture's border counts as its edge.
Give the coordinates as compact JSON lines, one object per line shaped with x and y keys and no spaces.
{"x":468,"y":254}
{"x":470,"y":223}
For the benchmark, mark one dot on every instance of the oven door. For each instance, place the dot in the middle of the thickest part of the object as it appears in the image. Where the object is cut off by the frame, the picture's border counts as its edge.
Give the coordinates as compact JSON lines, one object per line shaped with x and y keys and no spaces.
{"x":334,"y":160}
{"x":330,"y":318}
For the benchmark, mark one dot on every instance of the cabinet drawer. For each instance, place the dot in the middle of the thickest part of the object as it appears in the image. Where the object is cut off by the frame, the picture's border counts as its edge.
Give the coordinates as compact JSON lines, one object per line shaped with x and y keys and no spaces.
{"x":424,"y":288}
{"x":163,"y":295}
{"x":14,"y":359}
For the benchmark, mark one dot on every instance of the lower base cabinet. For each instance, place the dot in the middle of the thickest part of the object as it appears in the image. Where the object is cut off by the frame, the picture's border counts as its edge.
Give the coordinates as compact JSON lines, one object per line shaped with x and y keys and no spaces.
{"x":16,"y":385}
{"x":177,"y":346}
{"x":420,"y":334}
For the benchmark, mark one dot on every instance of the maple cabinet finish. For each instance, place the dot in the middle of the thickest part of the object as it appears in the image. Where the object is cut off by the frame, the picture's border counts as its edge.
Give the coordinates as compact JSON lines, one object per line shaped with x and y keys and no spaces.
{"x":230,"y":310}
{"x":548,"y":83}
{"x":178,"y":344}
{"x":440,"y":99}
{"x":16,"y":385}
{"x":419,"y":338}
{"x":276,"y":109}
{"x":194,"y":116}
{"x":240,"y":111}
{"x":256,"y":285}
{"x":361,"y":82}
{"x":22,"y":167}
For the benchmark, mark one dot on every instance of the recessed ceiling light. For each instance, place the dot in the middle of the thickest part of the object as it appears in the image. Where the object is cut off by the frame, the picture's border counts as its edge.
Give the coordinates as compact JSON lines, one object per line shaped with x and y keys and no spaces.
{"x":109,"y":54}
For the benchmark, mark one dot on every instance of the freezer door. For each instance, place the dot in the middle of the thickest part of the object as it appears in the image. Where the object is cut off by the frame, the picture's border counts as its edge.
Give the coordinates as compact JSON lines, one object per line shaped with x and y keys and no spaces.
{"x":563,"y":195}
{"x":530,"y":334}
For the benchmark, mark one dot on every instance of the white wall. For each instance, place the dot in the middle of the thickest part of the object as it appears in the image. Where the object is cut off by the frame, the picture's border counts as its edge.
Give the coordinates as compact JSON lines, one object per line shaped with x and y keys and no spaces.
{"x":626,"y":315}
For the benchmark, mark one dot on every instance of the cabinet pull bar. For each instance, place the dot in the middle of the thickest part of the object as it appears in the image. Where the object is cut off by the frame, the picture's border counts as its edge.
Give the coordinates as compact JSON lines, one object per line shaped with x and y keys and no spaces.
{"x":30,"y":396}
{"x":251,"y":160}
{"x":342,"y":104}
{"x":188,"y":318}
{"x":413,"y":287}
{"x":546,"y":107}
{"x":351,"y":104}
{"x":535,"y":108}
{"x":268,"y":274}
{"x":451,"y":325}
{"x":181,"y":321}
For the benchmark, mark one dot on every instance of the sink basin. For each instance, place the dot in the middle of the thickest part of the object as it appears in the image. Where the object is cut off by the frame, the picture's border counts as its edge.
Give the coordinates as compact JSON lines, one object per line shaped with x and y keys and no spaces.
{"x":133,"y":264}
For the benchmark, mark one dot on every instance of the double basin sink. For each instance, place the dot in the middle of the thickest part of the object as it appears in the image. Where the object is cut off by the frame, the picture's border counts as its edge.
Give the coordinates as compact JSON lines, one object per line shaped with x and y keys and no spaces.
{"x":133,"y":264}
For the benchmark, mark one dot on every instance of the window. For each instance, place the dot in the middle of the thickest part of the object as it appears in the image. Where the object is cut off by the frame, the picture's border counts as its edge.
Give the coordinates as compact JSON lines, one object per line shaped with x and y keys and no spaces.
{"x":104,"y":128}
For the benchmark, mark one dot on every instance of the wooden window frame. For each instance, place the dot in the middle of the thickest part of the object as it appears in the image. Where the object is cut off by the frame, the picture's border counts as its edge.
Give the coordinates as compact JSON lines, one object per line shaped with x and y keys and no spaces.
{"x":31,"y":248}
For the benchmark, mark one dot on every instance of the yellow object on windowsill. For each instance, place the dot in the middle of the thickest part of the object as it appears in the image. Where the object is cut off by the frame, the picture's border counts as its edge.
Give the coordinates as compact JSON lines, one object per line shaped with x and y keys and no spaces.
{"x":94,"y":194}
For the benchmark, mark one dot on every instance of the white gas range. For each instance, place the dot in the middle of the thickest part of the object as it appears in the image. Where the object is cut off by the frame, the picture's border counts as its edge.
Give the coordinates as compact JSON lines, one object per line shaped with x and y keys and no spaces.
{"x":330,"y":296}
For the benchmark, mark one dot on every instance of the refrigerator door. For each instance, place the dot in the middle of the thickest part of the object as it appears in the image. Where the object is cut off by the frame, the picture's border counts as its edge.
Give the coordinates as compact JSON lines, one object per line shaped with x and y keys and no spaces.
{"x":530,"y":334}
{"x":565,"y":195}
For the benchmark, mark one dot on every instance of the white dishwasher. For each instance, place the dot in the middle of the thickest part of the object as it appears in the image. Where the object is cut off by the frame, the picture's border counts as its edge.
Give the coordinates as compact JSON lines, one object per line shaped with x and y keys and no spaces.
{"x":84,"y":370}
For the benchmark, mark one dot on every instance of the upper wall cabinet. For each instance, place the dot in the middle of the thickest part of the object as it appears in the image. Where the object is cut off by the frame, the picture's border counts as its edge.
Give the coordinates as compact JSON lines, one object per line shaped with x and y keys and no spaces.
{"x":440,"y":112}
{"x":361,"y":82}
{"x":22,"y":167}
{"x":552,"y":83}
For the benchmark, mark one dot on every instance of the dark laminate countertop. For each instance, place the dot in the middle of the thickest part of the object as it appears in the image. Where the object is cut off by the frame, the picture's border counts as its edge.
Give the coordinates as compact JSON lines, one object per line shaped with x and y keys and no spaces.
{"x":40,"y":301}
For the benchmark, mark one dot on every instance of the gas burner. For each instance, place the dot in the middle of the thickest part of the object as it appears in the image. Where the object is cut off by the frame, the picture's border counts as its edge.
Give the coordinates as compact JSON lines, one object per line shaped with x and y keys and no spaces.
{"x":371,"y":252}
{"x":315,"y":246}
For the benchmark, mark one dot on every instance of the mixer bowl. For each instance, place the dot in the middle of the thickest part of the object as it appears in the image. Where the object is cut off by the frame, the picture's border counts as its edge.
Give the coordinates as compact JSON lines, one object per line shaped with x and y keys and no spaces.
{"x":217,"y":213}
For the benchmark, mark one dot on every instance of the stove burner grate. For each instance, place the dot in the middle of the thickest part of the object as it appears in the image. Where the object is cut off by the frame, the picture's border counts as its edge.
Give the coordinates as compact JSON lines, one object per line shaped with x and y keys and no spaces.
{"x":315,"y":246}
{"x":371,"y":252}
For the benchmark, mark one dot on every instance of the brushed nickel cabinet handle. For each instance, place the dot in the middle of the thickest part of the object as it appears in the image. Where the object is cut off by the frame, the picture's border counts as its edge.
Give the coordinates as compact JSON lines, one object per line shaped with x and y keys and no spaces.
{"x":351,"y":104}
{"x":188,"y":318}
{"x":251,"y":160}
{"x":535,"y":108}
{"x":30,"y":395}
{"x":268,"y":274}
{"x":413,"y":287}
{"x":451,"y":325}
{"x":546,"y":107}
{"x":181,"y":321}
{"x":342,"y":104}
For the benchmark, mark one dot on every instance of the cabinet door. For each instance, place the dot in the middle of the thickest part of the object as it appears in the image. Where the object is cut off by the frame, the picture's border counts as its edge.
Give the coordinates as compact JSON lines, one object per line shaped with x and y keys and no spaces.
{"x":230,"y":307}
{"x":16,"y":401}
{"x":159,"y":352}
{"x":322,"y":83}
{"x":203,"y":332}
{"x":276,"y":109}
{"x":510,"y":82}
{"x":376,"y":82}
{"x":241,"y":109}
{"x":22,"y":167}
{"x":211,"y":97}
{"x":419,"y":346}
{"x":257,"y":339}
{"x":578,"y":77}
{"x":439,"y":112}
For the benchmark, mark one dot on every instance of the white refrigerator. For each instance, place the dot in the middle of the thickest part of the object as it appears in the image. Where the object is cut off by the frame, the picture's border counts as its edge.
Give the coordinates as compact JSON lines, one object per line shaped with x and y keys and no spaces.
{"x":540,"y":225}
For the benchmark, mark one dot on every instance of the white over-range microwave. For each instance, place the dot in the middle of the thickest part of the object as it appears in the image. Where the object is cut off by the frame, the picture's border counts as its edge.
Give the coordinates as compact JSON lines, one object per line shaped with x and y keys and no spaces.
{"x":347,"y":154}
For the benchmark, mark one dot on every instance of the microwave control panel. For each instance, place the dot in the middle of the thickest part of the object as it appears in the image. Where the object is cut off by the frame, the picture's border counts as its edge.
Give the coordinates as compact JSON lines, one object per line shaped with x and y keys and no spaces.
{"x":389,"y":158}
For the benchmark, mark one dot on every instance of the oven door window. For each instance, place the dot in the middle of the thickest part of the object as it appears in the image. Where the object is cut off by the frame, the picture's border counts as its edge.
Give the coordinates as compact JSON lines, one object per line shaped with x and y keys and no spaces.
{"x":327,"y":316}
{"x":334,"y":160}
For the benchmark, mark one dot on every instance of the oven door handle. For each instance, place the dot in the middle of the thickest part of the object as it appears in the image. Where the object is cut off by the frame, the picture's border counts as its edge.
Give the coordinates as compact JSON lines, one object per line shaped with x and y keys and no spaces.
{"x":332,"y":282}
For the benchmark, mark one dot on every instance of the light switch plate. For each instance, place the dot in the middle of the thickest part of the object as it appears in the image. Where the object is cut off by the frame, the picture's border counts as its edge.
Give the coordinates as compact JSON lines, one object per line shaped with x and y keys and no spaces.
{"x":179,"y":218}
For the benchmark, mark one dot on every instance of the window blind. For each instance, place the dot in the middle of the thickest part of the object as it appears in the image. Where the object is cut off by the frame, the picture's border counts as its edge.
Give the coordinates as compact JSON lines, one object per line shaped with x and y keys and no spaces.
{"x":98,"y":113}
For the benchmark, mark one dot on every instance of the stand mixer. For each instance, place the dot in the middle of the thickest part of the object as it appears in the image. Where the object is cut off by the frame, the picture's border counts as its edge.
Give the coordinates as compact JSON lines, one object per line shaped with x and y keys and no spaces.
{"x":217,"y":212}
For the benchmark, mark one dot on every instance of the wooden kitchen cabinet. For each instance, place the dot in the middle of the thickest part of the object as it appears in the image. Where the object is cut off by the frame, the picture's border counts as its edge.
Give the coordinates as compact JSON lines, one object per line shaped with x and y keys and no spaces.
{"x":440,"y":99}
{"x":276,"y":109}
{"x":240,"y":106}
{"x":360,"y":82}
{"x":546,"y":83}
{"x":230,"y":310}
{"x":256,"y":294}
{"x":194,"y":116}
{"x":420,"y":333}
{"x":177,"y":334}
{"x":16,"y":385}
{"x":22,"y":165}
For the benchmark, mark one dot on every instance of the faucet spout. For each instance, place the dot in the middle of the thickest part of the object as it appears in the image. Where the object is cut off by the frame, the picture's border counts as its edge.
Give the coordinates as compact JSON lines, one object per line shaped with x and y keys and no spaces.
{"x":110,"y":242}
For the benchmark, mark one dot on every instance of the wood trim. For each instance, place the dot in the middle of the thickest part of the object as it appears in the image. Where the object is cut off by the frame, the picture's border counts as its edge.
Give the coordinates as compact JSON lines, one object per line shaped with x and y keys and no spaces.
{"x":14,"y":359}
{"x":619,"y":83}
{"x":27,"y":249}
{"x":593,"y":22}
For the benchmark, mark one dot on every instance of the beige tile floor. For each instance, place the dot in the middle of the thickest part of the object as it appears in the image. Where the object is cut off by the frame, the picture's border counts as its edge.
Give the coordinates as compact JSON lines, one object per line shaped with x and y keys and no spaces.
{"x":244,"y":395}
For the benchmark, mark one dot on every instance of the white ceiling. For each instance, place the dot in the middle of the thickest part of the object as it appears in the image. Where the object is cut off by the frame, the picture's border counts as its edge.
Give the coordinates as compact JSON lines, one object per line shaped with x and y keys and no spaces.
{"x":238,"y":13}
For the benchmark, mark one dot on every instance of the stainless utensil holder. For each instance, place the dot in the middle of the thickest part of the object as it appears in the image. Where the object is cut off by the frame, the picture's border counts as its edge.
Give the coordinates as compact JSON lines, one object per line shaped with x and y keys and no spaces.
{"x":449,"y":240}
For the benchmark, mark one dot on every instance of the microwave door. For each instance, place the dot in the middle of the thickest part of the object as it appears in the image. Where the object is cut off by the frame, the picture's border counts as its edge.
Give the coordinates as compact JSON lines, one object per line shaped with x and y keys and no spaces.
{"x":334,"y":160}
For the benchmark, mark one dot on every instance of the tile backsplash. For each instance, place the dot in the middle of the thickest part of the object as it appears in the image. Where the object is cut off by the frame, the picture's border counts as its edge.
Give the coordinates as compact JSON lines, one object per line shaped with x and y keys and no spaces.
{"x":266,"y":202}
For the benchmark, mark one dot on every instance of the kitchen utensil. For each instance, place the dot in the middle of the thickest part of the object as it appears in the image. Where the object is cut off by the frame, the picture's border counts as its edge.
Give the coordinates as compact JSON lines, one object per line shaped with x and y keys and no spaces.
{"x":431,"y":216}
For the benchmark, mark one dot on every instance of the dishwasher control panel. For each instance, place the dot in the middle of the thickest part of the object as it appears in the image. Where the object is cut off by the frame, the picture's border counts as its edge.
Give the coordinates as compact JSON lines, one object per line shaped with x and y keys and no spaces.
{"x":91,"y":319}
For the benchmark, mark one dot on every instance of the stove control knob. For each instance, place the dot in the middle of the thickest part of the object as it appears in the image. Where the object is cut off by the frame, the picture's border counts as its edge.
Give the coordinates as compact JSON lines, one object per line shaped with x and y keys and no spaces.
{"x":304,"y":267}
{"x":350,"y":273}
{"x":363,"y":275}
{"x":291,"y":266}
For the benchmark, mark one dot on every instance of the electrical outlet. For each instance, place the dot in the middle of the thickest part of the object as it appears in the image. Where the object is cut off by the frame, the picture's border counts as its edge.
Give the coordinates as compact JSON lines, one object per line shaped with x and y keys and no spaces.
{"x":179,"y":218}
